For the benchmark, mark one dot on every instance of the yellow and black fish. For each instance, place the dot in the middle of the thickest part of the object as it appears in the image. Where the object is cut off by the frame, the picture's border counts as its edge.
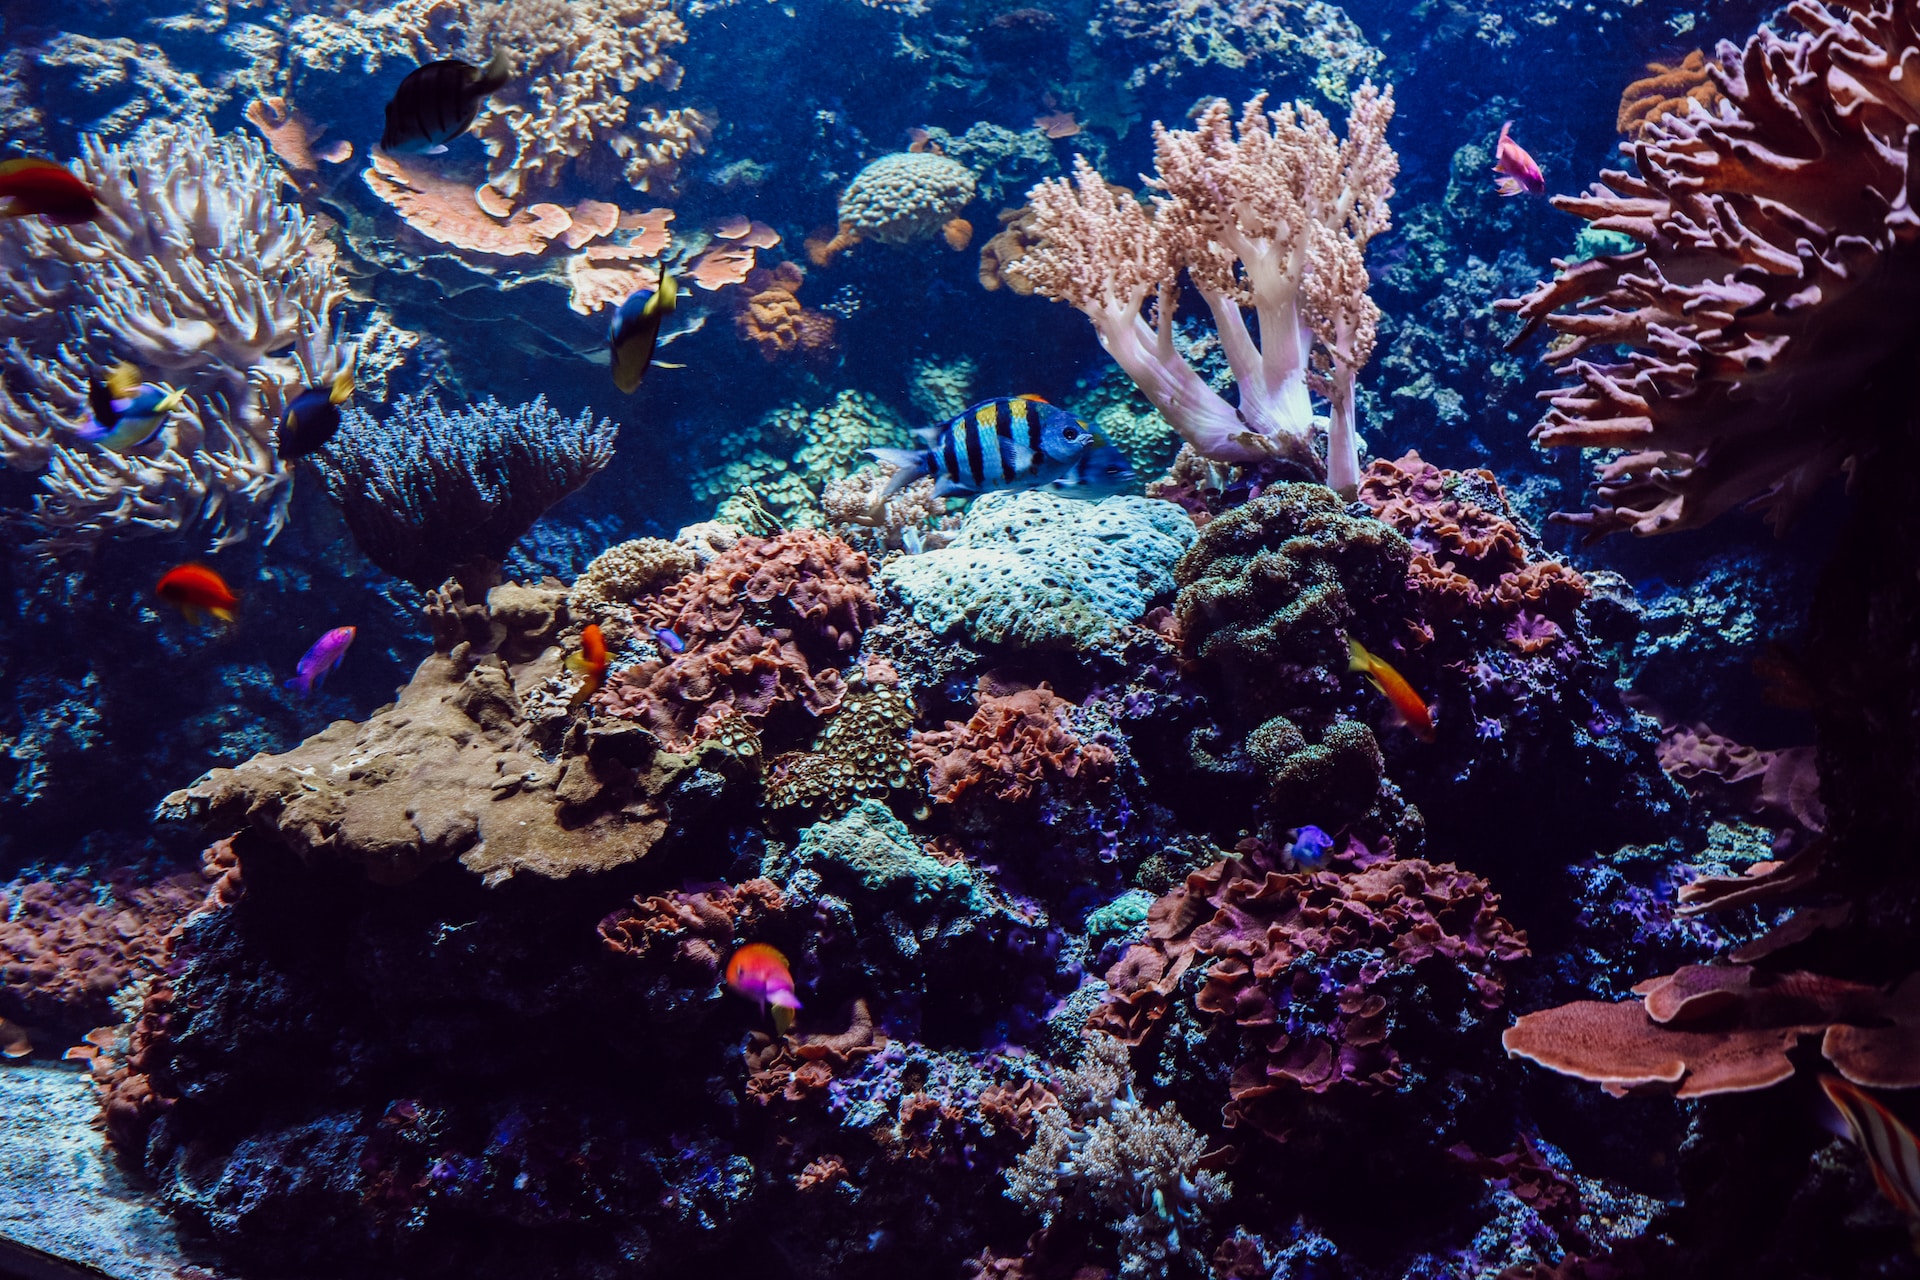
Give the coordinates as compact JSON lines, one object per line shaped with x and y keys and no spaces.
{"x":636,"y":329}
{"x":1017,"y":443}
{"x":126,"y":412}
{"x":313,"y":417}
{"x":436,"y":103}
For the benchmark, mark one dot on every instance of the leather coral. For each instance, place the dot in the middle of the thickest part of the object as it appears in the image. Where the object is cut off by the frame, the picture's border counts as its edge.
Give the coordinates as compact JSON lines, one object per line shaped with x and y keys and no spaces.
{"x":1778,"y":266}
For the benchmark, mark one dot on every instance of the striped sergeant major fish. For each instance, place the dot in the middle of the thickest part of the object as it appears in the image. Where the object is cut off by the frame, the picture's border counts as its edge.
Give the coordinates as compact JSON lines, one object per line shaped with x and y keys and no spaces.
{"x":437,"y":102}
{"x":1890,"y":1147}
{"x":1017,"y":443}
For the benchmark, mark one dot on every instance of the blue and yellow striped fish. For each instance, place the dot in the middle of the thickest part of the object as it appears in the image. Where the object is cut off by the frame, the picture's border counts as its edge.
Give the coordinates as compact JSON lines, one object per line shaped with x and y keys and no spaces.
{"x":1017,"y":443}
{"x":126,"y":412}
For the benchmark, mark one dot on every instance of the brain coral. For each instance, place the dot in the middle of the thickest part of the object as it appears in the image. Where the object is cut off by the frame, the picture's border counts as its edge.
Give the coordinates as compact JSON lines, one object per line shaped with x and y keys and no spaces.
{"x":623,"y":572}
{"x":1038,"y":570}
{"x":904,"y":197}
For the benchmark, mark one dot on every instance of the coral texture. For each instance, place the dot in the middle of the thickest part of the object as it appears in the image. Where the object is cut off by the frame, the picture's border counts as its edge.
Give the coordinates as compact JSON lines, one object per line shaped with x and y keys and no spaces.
{"x":862,"y":753}
{"x":1014,"y":744}
{"x":64,"y":952}
{"x":1309,"y":37}
{"x":425,"y":491}
{"x":624,"y":572}
{"x":1773,"y":241}
{"x":201,"y":275}
{"x":904,"y":197}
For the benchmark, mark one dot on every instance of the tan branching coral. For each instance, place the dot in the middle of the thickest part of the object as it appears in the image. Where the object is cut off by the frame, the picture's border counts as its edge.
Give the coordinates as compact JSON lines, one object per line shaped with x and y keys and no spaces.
{"x":1273,"y":215}
{"x":195,"y":270}
{"x":1772,"y":299}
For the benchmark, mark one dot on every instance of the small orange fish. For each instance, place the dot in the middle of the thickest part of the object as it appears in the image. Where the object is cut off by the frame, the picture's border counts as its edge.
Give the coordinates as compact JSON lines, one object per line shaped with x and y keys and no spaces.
{"x":1891,"y":1149}
{"x":590,"y":662}
{"x":1406,"y":703}
{"x":1517,"y":169}
{"x":34,"y":186}
{"x":759,"y":972}
{"x":195,"y":591}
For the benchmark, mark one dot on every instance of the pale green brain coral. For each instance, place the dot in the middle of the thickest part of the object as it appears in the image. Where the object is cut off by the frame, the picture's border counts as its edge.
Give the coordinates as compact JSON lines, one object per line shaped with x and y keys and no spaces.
{"x":907,"y":196}
{"x":1038,"y":570}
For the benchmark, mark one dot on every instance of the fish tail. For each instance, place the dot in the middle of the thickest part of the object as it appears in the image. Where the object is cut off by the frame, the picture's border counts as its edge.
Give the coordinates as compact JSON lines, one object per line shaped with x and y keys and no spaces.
{"x":782,"y":1018}
{"x":1508,"y":186}
{"x":908,"y":464}
{"x":300,"y":685}
{"x":342,"y":387}
{"x":1358,"y":659}
{"x":225,"y":615}
{"x":495,"y":75}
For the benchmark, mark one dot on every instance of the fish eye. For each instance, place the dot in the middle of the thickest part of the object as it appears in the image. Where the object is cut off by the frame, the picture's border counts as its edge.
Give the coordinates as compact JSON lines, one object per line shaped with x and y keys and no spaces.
{"x":1071,"y":433}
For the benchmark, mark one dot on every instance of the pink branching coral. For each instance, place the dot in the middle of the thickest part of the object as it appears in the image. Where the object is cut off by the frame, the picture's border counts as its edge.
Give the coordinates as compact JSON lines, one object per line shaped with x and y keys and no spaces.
{"x":1771,"y":299}
{"x":1307,"y":1024}
{"x":1013,"y":745}
{"x":763,"y":624}
{"x":1274,"y":217}
{"x":1470,"y":560}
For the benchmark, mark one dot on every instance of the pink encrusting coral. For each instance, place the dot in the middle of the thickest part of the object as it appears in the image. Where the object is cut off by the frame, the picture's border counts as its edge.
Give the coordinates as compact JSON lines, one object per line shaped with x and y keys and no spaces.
{"x":1014,"y":744}
{"x":766,"y":623}
{"x":1309,"y":1020}
{"x":1771,"y":300}
{"x":1272,"y":217}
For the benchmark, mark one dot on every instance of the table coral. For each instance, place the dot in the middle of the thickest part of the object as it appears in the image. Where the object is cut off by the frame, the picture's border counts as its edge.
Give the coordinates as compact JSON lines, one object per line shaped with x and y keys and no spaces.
{"x":1753,"y":311}
{"x":764,"y":624}
{"x":1015,"y":744}
{"x":425,"y":491}
{"x":1316,"y":969}
{"x":1036,"y":570}
{"x":199,"y":273}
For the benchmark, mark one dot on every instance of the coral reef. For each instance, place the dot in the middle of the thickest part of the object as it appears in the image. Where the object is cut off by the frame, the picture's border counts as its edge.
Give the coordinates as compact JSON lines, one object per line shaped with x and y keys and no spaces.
{"x":1306,"y":37}
{"x":201,"y":275}
{"x":624,"y":572}
{"x":1014,"y":744}
{"x":1667,"y":89}
{"x":1036,"y":570}
{"x":904,"y":197}
{"x":426,"y":492}
{"x":862,"y":752}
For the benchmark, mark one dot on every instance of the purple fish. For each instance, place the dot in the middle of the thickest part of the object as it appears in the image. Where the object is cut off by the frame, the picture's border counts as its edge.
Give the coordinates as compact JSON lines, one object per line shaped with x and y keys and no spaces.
{"x":322,"y":658}
{"x":669,"y":640}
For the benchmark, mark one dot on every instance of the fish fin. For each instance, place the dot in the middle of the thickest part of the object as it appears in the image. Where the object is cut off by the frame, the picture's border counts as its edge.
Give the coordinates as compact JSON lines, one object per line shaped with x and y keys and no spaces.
{"x":495,"y":75}
{"x":299,"y":685}
{"x":928,"y":436}
{"x":342,"y":387}
{"x":225,"y":615}
{"x":782,"y":1018}
{"x":123,"y":380}
{"x":1358,"y":659}
{"x":170,"y":402}
{"x":949,"y":488}
{"x":1508,"y":186}
{"x":578,"y":664}
{"x":668,"y":364}
{"x":437,"y":149}
{"x":1023,"y":457}
{"x":665,"y":298}
{"x":1028,"y":395}
{"x":908,"y":465}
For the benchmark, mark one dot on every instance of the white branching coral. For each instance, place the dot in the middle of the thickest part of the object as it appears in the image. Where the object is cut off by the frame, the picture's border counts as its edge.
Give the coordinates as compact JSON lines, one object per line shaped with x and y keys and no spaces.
{"x":1103,"y":1154}
{"x":1274,"y":216}
{"x":195,"y":270}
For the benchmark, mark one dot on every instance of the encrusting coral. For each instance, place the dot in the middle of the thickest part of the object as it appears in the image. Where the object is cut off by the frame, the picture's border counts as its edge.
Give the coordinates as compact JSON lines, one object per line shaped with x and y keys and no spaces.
{"x":197,"y":272}
{"x":1274,"y":217}
{"x":1774,"y":243}
{"x":1015,"y":743}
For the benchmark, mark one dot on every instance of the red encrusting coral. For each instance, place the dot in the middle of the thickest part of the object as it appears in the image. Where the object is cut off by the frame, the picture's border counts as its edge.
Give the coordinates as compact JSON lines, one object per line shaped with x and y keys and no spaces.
{"x":696,"y":927}
{"x":799,"y":1067}
{"x":1270,"y":935}
{"x":763,"y":624}
{"x":1014,"y":744}
{"x":1471,"y":562}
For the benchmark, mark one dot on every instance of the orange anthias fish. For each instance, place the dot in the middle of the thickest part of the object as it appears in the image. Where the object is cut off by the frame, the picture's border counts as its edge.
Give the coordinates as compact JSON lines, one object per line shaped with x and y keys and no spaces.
{"x":1890,"y":1147}
{"x":590,"y":662}
{"x":1406,"y":703}
{"x":759,"y":972}
{"x":32,"y":186}
{"x":1518,"y":171}
{"x":196,"y":590}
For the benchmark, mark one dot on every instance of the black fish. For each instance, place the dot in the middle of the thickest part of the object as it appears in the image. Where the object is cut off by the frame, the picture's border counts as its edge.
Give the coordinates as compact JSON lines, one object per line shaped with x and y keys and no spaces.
{"x":313,"y":417}
{"x":436,"y":103}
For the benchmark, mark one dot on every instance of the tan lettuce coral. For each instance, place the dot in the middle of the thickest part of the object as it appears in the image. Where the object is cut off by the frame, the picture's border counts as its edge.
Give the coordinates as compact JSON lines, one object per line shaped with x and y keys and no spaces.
{"x":195,"y":270}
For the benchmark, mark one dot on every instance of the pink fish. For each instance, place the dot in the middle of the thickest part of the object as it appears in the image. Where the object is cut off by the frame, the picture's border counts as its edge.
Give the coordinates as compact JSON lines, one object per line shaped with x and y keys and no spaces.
{"x":322,"y":658}
{"x":759,"y":972}
{"x":1519,"y":172}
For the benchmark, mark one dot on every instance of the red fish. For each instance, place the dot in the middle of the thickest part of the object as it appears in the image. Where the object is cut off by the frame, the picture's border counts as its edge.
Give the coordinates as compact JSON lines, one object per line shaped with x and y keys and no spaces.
{"x":33,"y":186}
{"x":1891,"y":1149}
{"x":759,"y":972}
{"x":195,"y":590}
{"x":590,"y":662}
{"x":1518,"y":171}
{"x":1407,"y":704}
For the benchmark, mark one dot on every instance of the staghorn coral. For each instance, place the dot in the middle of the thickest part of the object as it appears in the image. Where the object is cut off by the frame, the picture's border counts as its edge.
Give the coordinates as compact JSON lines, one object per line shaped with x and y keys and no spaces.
{"x":198,"y":273}
{"x":1308,"y":37}
{"x":571,"y":107}
{"x":1773,"y":244}
{"x":862,"y":753}
{"x":1040,"y":571}
{"x":1470,"y":561}
{"x":426,"y":492}
{"x":1014,"y":744}
{"x":765,"y":624}
{"x":1104,"y":1154}
{"x":1274,"y":216}
{"x":1316,"y":969}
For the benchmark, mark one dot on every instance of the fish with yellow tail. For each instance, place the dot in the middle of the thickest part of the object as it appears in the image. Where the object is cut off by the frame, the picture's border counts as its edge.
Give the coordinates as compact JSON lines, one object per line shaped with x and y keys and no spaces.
{"x":759,"y":972}
{"x":127,"y":413}
{"x":1891,"y":1149}
{"x":313,"y":417}
{"x":635,"y":331}
{"x":1407,"y":705}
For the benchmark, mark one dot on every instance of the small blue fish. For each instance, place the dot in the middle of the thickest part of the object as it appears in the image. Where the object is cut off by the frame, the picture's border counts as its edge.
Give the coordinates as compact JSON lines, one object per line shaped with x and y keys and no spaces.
{"x":1017,"y":443}
{"x":126,"y":412}
{"x":636,"y":330}
{"x":669,"y":640}
{"x":1310,"y":846}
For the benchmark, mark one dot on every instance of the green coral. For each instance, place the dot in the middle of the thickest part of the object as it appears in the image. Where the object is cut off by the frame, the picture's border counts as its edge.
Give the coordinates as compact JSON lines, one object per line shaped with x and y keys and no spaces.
{"x":1005,"y":162}
{"x":943,"y":388}
{"x":1037,"y":570}
{"x":825,"y":444}
{"x":1116,"y":409}
{"x":1123,"y":915}
{"x":861,"y":752}
{"x":1328,"y":782}
{"x":870,"y":847}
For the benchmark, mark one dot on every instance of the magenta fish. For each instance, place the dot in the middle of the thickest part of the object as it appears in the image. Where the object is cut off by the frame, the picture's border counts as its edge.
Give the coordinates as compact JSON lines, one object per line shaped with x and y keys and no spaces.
{"x":322,"y":658}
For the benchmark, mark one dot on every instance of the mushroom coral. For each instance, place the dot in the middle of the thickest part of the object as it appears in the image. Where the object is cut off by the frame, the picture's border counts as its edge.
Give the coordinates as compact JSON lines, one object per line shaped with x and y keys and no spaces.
{"x":1767,"y":315}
